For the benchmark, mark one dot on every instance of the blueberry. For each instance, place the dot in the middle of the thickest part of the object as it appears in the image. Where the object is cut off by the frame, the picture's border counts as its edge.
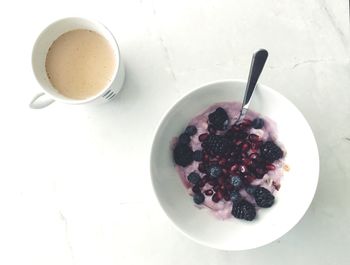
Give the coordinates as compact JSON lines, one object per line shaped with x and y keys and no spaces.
{"x":193,"y":177}
{"x":251,"y":189}
{"x":191,"y":130}
{"x":258,"y":123}
{"x":214,"y":171}
{"x":235,"y":197}
{"x":236,"y":181}
{"x":184,"y":138}
{"x":196,"y":189}
{"x":198,"y":198}
{"x":198,"y":155}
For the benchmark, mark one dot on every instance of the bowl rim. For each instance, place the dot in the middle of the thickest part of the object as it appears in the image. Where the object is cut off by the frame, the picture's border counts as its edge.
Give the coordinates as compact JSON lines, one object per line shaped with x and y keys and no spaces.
{"x":155,"y":193}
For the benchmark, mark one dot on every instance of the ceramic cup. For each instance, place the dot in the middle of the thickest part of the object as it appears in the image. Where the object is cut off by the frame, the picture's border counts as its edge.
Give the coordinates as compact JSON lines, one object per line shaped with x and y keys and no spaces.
{"x":43,"y":43}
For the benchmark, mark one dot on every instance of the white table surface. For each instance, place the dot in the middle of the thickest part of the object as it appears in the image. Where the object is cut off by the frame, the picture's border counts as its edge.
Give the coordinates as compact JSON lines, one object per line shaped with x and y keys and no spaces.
{"x":74,"y":180}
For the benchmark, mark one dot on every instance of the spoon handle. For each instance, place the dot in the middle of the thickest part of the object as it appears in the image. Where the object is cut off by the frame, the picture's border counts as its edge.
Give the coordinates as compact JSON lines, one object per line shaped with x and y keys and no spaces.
{"x":256,"y":67}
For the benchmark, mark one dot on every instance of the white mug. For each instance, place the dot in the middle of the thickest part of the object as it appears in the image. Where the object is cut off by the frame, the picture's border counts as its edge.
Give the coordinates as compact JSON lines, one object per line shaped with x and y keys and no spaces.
{"x":41,"y":47}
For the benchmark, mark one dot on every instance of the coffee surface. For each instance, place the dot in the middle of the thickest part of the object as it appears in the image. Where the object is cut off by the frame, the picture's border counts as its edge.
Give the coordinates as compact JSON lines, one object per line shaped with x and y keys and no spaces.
{"x":80,"y":63}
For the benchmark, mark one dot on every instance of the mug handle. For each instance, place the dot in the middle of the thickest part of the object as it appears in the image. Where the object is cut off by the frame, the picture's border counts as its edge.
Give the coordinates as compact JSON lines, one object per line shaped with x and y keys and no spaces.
{"x":40,"y":104}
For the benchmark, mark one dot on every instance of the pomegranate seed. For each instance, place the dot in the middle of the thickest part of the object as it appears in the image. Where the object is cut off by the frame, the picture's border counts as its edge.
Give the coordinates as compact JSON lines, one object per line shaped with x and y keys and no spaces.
{"x":208,"y":192}
{"x":206,"y":157}
{"x":245,"y":154}
{"x":242,"y":168}
{"x":253,"y":155}
{"x":201,"y":183}
{"x":224,"y":171}
{"x":216,"y":187}
{"x":221,"y":180}
{"x":202,"y":167}
{"x":228,"y":186}
{"x":222,"y":161}
{"x":247,"y":161}
{"x":270,"y":167}
{"x":238,"y":142}
{"x":245,"y":147}
{"x":248,"y":178}
{"x":253,"y":137}
{"x":234,"y":167}
{"x":247,"y":122}
{"x":243,"y":126}
{"x":215,"y":198}
{"x":220,"y":194}
{"x":235,"y":128}
{"x":260,"y":171}
{"x":227,"y":197}
{"x":203,"y":137}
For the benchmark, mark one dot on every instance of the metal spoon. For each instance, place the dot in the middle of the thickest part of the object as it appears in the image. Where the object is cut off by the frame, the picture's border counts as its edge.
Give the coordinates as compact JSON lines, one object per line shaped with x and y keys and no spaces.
{"x":257,"y":65}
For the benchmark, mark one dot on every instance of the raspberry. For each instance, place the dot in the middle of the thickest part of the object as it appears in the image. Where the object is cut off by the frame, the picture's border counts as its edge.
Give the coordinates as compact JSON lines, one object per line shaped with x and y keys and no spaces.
{"x":219,"y":119}
{"x":271,"y":152}
{"x":244,"y":210}
{"x":263,"y":197}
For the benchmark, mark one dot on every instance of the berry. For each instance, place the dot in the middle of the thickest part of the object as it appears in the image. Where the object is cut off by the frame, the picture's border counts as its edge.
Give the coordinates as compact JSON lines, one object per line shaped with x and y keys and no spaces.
{"x":209,"y":192}
{"x":193,"y":177}
{"x":198,"y":198}
{"x":251,"y":189}
{"x":236,"y":181}
{"x":235,"y":197}
{"x":217,"y":144}
{"x":203,"y":137}
{"x":263,"y":197}
{"x":184,"y":138}
{"x":183,"y":155}
{"x":244,"y":210}
{"x":216,"y":197}
{"x":198,"y":155}
{"x":214,"y":171}
{"x":196,"y":189}
{"x":191,"y":130}
{"x":211,"y":129}
{"x":219,"y":119}
{"x":258,"y":123}
{"x":271,"y":152}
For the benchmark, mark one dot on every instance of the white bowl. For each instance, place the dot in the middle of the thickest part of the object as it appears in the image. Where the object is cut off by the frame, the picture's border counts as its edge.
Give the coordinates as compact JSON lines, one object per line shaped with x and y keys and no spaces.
{"x":298,"y":186}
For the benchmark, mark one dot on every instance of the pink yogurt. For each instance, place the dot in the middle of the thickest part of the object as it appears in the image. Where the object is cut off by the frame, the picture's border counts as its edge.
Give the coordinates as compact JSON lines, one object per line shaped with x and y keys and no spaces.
{"x":270,"y":181}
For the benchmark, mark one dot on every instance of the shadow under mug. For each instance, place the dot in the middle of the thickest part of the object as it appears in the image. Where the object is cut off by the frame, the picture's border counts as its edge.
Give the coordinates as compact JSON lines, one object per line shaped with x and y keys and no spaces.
{"x":41,"y":47}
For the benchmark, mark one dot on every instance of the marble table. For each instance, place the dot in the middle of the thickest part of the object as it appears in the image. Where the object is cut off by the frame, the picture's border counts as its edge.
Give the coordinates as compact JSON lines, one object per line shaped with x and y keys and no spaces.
{"x":74,"y":180}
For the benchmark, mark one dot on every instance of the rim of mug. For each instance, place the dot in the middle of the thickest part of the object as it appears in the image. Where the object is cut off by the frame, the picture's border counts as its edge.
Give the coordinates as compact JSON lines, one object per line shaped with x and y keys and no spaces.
{"x":116,"y":50}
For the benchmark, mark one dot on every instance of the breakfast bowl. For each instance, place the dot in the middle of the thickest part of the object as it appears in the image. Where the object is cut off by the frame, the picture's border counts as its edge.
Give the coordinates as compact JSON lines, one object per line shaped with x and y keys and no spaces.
{"x":298,"y":184}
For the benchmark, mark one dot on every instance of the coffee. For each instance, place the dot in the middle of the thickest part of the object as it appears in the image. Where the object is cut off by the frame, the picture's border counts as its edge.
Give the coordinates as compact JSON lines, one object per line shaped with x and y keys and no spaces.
{"x":80,"y":63}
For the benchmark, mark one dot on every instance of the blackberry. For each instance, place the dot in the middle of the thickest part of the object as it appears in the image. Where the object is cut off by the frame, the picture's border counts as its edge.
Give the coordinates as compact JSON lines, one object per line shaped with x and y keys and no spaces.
{"x":193,"y":177}
{"x":244,"y":210}
{"x":191,"y":130}
{"x":236,"y":181}
{"x":198,"y":155}
{"x":271,"y":152}
{"x":214,"y":171}
{"x":258,"y":123}
{"x":184,"y":138}
{"x":235,"y":197}
{"x":263,"y":197}
{"x":217,"y":144}
{"x":219,"y":119}
{"x":198,"y":198}
{"x":183,"y":155}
